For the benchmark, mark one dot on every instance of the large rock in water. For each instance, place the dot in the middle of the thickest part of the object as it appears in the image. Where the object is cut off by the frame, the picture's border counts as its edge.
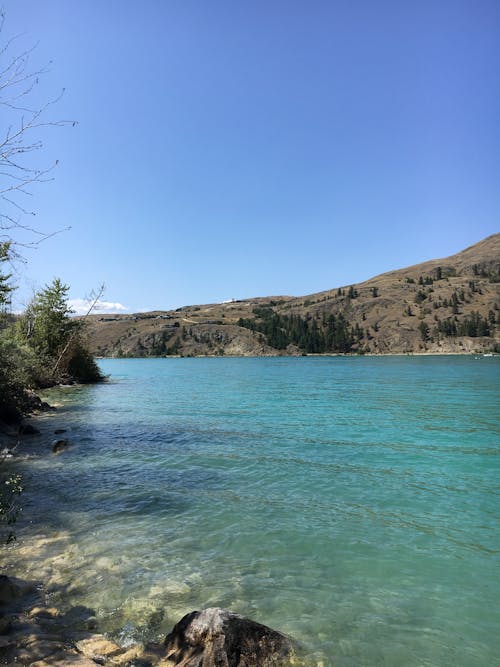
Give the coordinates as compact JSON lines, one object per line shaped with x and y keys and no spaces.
{"x":220,"y":638}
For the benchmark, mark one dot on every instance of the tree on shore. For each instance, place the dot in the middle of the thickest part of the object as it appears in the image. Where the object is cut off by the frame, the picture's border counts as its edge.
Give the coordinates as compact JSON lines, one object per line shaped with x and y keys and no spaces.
{"x":46,"y":321}
{"x":56,"y":338}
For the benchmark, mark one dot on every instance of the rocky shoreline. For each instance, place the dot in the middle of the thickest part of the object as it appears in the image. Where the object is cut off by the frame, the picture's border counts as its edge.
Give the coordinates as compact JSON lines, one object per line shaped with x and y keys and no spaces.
{"x":32,"y":633}
{"x":35,"y":633}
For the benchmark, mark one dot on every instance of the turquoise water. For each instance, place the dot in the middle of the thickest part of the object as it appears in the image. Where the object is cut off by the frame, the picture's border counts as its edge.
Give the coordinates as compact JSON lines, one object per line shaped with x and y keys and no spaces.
{"x":351,"y":502}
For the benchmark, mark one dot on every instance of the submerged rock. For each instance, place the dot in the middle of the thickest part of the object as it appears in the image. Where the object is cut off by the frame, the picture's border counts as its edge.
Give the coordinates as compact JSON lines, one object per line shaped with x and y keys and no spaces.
{"x":98,"y":648}
{"x":40,"y":636}
{"x":215,"y":636}
{"x":59,"y":445}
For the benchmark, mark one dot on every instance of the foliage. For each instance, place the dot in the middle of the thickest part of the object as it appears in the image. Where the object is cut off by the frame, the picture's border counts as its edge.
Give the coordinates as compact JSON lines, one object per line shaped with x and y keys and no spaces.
{"x":315,"y":335}
{"x":420,"y":296}
{"x":492,"y":272}
{"x":41,"y":348}
{"x":46,"y":323}
{"x":19,"y":369}
{"x":81,"y":364}
{"x":5,"y":286}
{"x":423,"y":327}
{"x":13,"y":375}
{"x":474,"y":326}
{"x":10,"y":488}
{"x":57,"y":339}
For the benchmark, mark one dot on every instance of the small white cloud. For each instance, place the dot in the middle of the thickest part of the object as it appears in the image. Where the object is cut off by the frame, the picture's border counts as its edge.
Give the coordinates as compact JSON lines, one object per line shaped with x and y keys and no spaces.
{"x":81,"y":306}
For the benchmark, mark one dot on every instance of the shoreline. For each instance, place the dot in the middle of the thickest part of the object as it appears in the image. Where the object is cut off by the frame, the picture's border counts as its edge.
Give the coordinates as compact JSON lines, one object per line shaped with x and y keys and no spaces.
{"x":310,"y":354}
{"x":32,"y":630}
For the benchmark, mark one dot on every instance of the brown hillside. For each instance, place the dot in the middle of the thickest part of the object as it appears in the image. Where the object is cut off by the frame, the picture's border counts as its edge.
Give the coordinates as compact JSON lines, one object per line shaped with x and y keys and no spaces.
{"x":442,"y":305}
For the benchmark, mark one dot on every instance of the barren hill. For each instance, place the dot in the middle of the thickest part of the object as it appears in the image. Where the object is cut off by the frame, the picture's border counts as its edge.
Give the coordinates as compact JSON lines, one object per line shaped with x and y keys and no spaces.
{"x":442,"y":305}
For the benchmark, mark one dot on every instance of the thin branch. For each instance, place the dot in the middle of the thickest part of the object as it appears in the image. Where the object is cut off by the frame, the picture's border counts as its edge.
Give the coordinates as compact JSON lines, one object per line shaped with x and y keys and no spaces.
{"x":96,"y":298}
{"x":18,"y":141}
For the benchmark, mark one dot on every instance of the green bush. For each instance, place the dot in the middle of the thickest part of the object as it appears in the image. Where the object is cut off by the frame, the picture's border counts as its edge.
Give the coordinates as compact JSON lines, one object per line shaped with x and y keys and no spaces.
{"x":82,"y":366}
{"x":10,"y":488}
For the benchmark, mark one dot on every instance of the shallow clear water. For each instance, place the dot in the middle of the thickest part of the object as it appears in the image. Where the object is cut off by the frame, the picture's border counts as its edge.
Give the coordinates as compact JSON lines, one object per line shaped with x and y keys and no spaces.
{"x":350,"y":502}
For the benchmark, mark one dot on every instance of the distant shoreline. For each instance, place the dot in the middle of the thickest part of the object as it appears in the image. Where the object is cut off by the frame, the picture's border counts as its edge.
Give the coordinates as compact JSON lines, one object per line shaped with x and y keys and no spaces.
{"x":310,"y":354}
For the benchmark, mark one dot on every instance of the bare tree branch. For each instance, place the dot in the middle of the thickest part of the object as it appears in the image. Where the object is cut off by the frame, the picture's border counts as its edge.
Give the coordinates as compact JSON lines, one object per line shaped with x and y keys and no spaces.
{"x":93,"y":301}
{"x":18,"y":141}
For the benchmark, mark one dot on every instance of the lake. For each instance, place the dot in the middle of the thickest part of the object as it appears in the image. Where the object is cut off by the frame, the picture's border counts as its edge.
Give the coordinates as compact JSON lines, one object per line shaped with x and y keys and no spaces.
{"x":352,"y":502}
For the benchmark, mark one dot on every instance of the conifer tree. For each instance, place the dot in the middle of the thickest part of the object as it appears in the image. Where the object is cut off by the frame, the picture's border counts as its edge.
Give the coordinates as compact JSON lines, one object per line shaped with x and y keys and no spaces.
{"x":424,"y":331}
{"x":48,"y":325}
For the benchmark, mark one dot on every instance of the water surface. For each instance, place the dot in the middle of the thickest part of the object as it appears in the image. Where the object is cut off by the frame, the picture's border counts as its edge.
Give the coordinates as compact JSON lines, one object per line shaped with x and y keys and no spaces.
{"x":351,"y":502}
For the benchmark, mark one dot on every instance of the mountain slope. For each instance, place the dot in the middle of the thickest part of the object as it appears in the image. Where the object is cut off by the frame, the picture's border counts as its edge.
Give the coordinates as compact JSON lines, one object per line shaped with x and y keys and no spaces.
{"x":442,"y":305}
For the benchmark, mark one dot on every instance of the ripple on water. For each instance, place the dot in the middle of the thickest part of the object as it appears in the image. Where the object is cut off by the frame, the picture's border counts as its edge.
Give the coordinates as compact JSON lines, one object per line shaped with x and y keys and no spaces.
{"x":350,"y":502}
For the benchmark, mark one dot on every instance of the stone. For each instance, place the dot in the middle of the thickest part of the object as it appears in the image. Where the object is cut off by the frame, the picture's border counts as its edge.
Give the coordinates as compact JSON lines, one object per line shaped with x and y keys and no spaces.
{"x":43,"y":612}
{"x":38,"y":650}
{"x":139,"y":656}
{"x":127,"y":657}
{"x":91,"y":623}
{"x":98,"y":647}
{"x":217,"y":637}
{"x":59,"y":445}
{"x":65,"y":659}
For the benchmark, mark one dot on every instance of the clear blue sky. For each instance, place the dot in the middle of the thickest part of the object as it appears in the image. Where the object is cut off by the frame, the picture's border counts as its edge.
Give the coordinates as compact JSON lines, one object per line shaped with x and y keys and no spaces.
{"x":235,"y":149}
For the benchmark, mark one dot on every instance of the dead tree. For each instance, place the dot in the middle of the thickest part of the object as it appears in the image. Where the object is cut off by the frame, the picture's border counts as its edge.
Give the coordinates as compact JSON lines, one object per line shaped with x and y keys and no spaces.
{"x":23,"y":123}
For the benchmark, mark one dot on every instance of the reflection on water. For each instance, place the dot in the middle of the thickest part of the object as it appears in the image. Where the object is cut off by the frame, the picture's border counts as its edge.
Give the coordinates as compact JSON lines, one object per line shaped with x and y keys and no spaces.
{"x":350,"y":502}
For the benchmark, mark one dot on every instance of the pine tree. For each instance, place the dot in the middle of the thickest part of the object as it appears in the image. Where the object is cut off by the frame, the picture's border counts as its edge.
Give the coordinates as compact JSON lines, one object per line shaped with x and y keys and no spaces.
{"x":48,"y":325}
{"x":424,"y":331}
